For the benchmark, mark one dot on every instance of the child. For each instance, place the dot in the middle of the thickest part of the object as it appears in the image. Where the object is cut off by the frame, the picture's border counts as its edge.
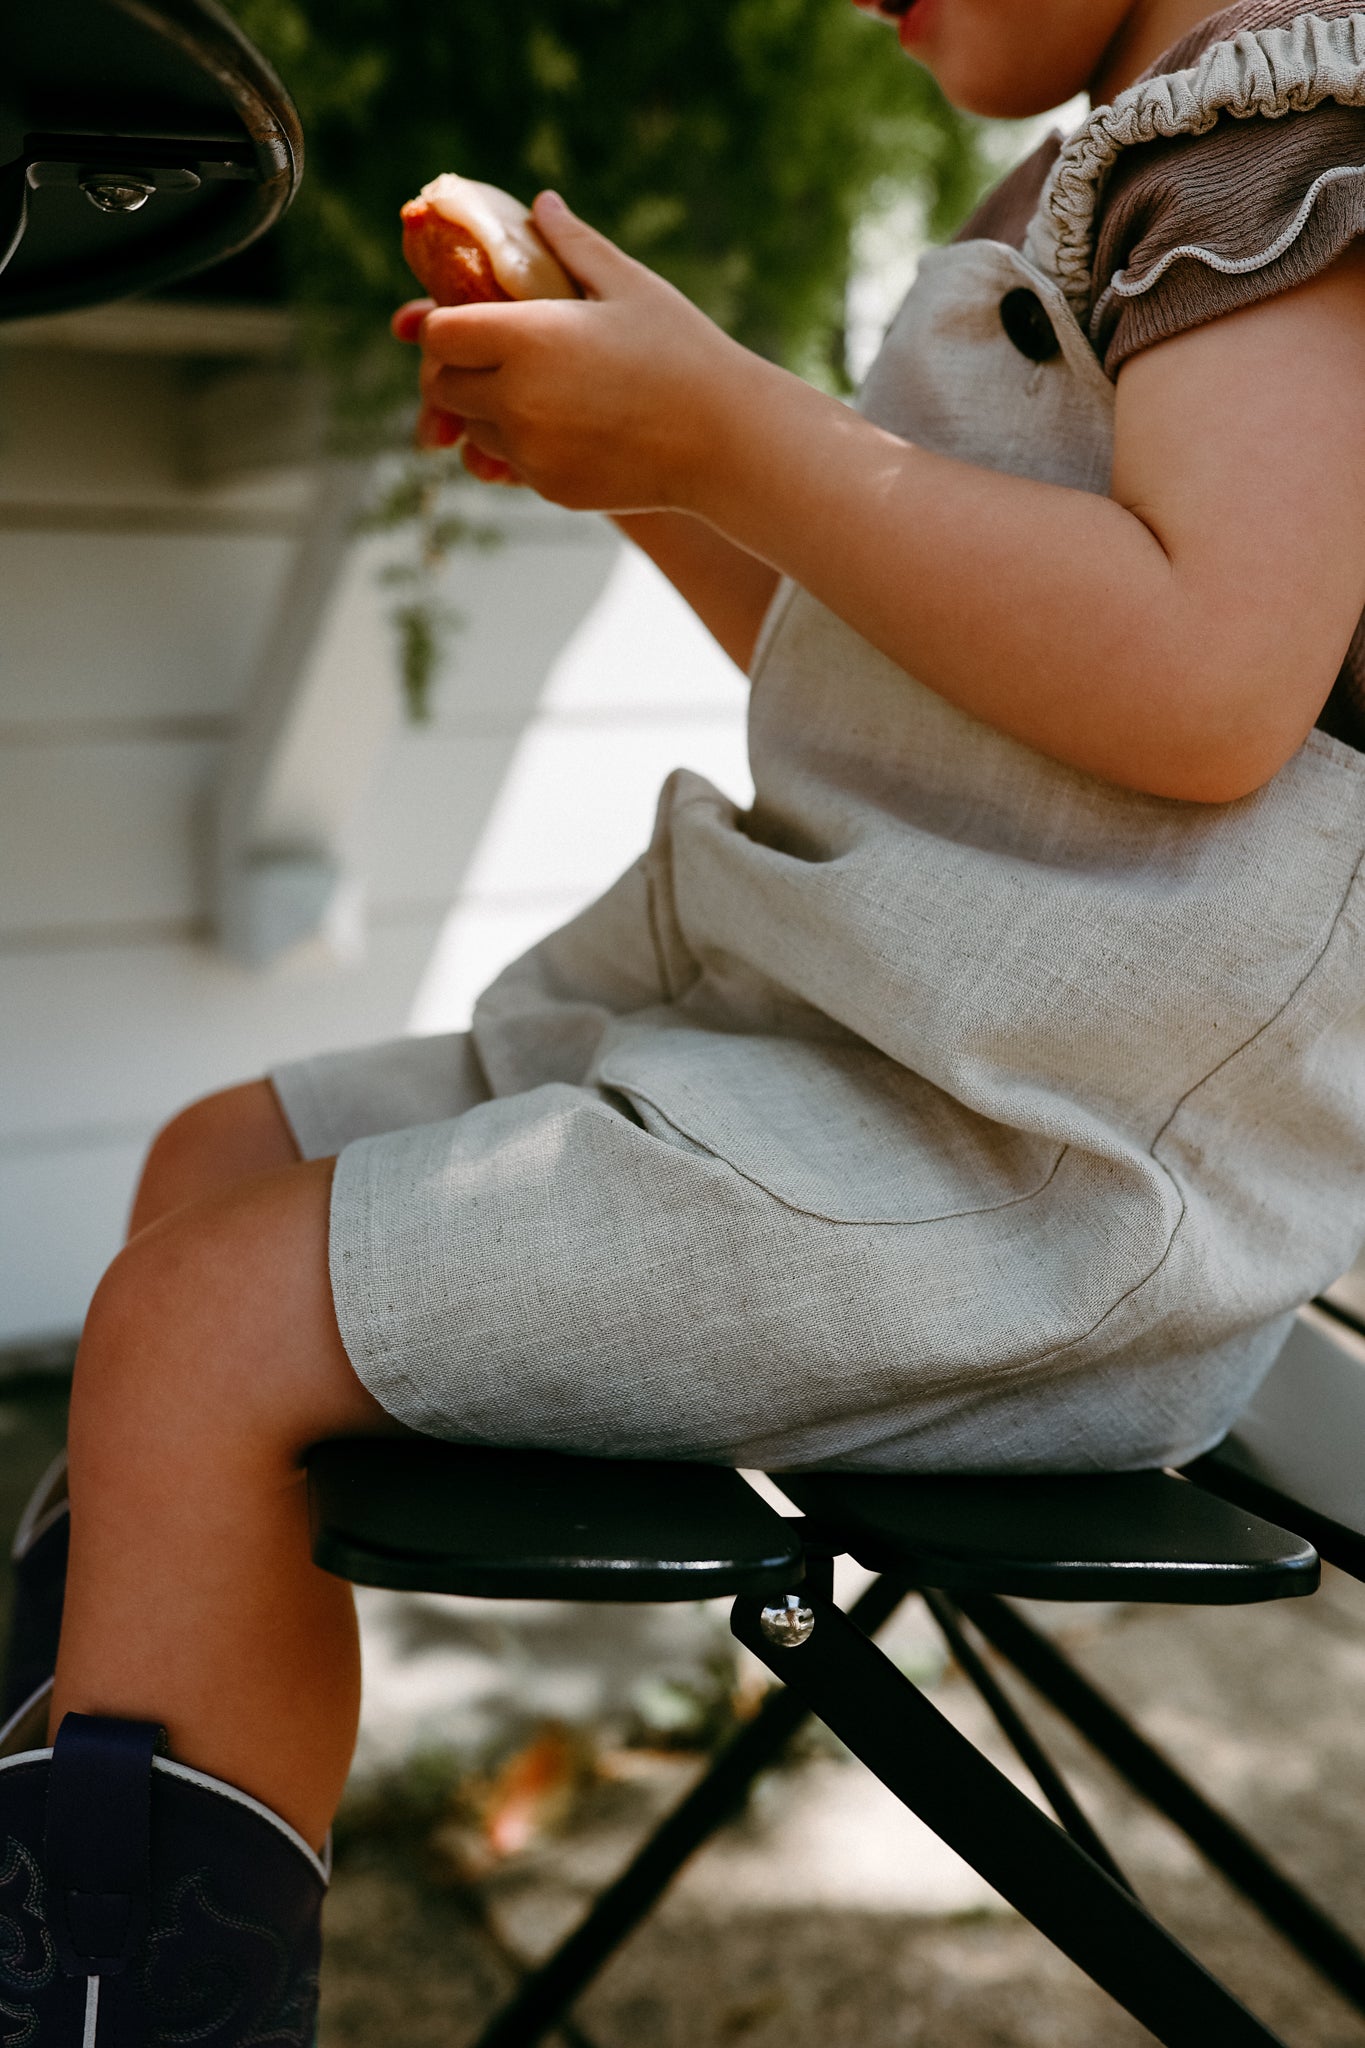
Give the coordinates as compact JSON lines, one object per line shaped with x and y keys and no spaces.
{"x":984,"y":1099}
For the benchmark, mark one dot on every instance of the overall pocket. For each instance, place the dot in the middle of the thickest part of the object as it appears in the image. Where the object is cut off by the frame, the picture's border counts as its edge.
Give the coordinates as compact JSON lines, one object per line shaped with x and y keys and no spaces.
{"x":831,"y":1129}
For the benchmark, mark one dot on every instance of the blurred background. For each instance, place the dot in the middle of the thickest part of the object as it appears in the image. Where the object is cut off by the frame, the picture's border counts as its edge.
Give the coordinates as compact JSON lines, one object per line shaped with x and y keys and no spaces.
{"x":301,"y":739}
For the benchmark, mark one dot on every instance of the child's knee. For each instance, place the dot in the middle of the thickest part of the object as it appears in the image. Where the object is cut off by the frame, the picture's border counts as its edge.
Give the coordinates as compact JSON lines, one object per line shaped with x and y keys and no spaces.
{"x":149,"y":1301}
{"x":218,"y":1321}
{"x":158,"y":1363}
{"x":232,"y":1123}
{"x":220,"y":1138}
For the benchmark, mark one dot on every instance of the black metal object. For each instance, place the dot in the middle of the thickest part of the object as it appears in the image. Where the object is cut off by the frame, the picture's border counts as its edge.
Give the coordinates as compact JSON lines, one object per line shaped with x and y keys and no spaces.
{"x":1126,"y":1536}
{"x":1137,"y":1537}
{"x":714,"y":1799}
{"x":549,"y":1990}
{"x":1276,"y":1896}
{"x":475,"y":1908}
{"x":1238,"y":1473}
{"x":140,"y":140}
{"x":526,"y":1525}
{"x":1021,"y":1737}
{"x":859,"y":1694}
{"x":1345,"y":1301}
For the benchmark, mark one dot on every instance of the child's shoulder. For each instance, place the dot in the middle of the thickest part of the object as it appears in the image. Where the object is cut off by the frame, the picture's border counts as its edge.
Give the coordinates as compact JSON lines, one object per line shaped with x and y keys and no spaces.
{"x":1246,"y":17}
{"x":1231,"y":171}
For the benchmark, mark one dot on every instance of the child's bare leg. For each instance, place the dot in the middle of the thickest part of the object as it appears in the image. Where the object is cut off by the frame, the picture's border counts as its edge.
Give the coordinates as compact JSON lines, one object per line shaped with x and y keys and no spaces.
{"x":218,"y":1140}
{"x":211,"y":1359}
{"x":214,"y":1143}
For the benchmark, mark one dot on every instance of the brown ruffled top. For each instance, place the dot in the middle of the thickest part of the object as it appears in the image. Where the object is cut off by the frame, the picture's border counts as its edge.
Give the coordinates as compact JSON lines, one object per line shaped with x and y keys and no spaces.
{"x":1232,"y":171}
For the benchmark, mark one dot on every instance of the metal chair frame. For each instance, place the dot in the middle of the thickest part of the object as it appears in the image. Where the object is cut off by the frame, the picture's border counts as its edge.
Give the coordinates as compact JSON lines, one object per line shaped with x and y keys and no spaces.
{"x":1191,"y":1540}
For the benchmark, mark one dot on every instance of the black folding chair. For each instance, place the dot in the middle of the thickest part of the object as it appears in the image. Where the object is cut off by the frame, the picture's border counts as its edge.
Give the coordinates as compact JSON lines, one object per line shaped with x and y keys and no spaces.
{"x":1247,"y":1523}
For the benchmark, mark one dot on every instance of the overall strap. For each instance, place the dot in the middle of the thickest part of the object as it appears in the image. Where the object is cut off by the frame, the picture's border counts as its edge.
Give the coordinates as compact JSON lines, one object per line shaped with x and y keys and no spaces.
{"x":98,"y":1849}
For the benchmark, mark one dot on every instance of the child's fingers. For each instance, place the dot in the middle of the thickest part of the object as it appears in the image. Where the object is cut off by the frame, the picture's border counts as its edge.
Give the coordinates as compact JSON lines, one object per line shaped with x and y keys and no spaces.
{"x":475,"y":337}
{"x":437,"y":429}
{"x":488,"y":469}
{"x":406,"y":324}
{"x":590,"y":259}
{"x":483,"y":435}
{"x":465,"y":391}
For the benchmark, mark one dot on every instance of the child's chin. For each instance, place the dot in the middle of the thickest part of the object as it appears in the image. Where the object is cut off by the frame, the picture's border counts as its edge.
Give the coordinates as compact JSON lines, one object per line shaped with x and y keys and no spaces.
{"x":1004,"y":105}
{"x":998,"y":93}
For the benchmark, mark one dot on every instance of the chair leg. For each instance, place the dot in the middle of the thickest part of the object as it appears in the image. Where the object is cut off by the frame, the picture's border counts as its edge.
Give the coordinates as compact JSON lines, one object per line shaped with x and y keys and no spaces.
{"x":547,"y":1992}
{"x":1021,"y":1737}
{"x":859,"y":1694}
{"x":1276,"y":1897}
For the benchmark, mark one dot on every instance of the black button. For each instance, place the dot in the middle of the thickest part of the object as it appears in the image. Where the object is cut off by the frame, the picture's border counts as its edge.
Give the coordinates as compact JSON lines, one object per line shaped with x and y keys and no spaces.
{"x":1027,"y":325}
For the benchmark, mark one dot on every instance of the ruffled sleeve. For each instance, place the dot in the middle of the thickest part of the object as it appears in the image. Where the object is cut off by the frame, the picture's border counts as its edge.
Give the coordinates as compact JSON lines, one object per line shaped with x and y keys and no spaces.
{"x":1199,"y":226}
{"x":1212,"y":185}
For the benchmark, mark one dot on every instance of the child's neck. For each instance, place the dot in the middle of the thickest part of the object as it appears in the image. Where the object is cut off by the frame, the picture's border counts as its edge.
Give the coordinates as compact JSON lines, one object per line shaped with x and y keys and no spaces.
{"x":1148,"y":28}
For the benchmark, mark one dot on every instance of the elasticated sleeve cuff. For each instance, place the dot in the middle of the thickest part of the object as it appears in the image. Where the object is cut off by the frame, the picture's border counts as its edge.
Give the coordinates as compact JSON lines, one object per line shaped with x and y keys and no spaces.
{"x":1203,"y":225}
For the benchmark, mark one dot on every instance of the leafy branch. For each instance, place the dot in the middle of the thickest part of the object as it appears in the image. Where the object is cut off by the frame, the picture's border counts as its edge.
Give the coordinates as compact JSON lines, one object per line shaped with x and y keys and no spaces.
{"x":421,"y":499}
{"x":732,"y":145}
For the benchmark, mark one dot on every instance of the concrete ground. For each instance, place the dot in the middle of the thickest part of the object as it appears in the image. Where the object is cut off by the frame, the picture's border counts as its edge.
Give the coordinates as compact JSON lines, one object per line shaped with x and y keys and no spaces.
{"x":512,"y":1756}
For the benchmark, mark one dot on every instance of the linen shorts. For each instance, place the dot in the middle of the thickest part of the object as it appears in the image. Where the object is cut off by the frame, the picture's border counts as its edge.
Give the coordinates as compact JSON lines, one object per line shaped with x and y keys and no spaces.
{"x":541,"y":1269}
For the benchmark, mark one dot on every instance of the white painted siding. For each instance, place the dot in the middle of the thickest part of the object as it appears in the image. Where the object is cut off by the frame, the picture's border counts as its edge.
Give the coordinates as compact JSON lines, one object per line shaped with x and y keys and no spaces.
{"x":136,"y":601}
{"x":209,"y":595}
{"x":94,"y":834}
{"x":639,"y":689}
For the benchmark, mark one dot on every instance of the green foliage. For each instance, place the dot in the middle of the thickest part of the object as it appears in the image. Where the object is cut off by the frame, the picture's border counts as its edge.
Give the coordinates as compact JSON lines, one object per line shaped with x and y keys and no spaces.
{"x":731,"y":144}
{"x":422,"y":498}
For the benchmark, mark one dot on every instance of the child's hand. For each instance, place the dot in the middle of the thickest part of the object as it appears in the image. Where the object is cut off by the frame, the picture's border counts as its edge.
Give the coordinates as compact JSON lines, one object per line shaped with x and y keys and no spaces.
{"x":603,"y":403}
{"x":437,"y":429}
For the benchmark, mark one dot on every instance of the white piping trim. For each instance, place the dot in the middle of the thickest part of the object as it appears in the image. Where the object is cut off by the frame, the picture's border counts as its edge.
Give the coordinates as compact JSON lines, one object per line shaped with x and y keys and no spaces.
{"x":215,"y":1785}
{"x":1123,"y":285}
{"x":225,"y":1791}
{"x":92,"y":2012}
{"x":58,"y":1513}
{"x":25,"y":1712}
{"x":25,"y":1756}
{"x":40,"y":1510}
{"x":1264,"y":73}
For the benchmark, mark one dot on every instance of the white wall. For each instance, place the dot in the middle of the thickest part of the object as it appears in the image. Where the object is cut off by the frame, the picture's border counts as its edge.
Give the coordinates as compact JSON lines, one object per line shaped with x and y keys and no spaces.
{"x":135,"y":602}
{"x":640,"y":689}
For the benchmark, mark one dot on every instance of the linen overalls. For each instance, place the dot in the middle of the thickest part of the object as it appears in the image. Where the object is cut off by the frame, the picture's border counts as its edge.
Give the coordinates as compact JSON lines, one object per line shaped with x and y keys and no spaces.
{"x":950,"y":1110}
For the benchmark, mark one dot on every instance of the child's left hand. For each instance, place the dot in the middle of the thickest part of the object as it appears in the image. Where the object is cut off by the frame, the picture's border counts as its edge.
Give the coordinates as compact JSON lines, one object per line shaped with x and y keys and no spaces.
{"x":601,"y":404}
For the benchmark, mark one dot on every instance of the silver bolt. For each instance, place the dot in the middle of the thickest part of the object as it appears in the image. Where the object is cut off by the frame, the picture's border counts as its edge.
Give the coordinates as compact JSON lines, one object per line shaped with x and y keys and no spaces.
{"x":789,"y":1625}
{"x":117,"y":191}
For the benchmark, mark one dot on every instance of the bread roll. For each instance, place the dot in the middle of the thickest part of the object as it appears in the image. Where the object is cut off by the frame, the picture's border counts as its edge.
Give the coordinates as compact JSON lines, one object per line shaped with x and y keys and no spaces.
{"x":470,"y":244}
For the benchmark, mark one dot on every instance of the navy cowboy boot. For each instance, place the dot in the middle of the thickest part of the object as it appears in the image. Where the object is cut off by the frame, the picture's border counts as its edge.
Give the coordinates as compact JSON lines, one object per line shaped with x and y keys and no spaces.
{"x":143,"y":1904}
{"x":38,"y":1556}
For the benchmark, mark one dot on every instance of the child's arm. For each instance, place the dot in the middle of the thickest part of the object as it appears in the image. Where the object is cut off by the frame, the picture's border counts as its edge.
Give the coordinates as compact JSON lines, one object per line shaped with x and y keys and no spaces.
{"x":1179,"y":637}
{"x":728,"y":588}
